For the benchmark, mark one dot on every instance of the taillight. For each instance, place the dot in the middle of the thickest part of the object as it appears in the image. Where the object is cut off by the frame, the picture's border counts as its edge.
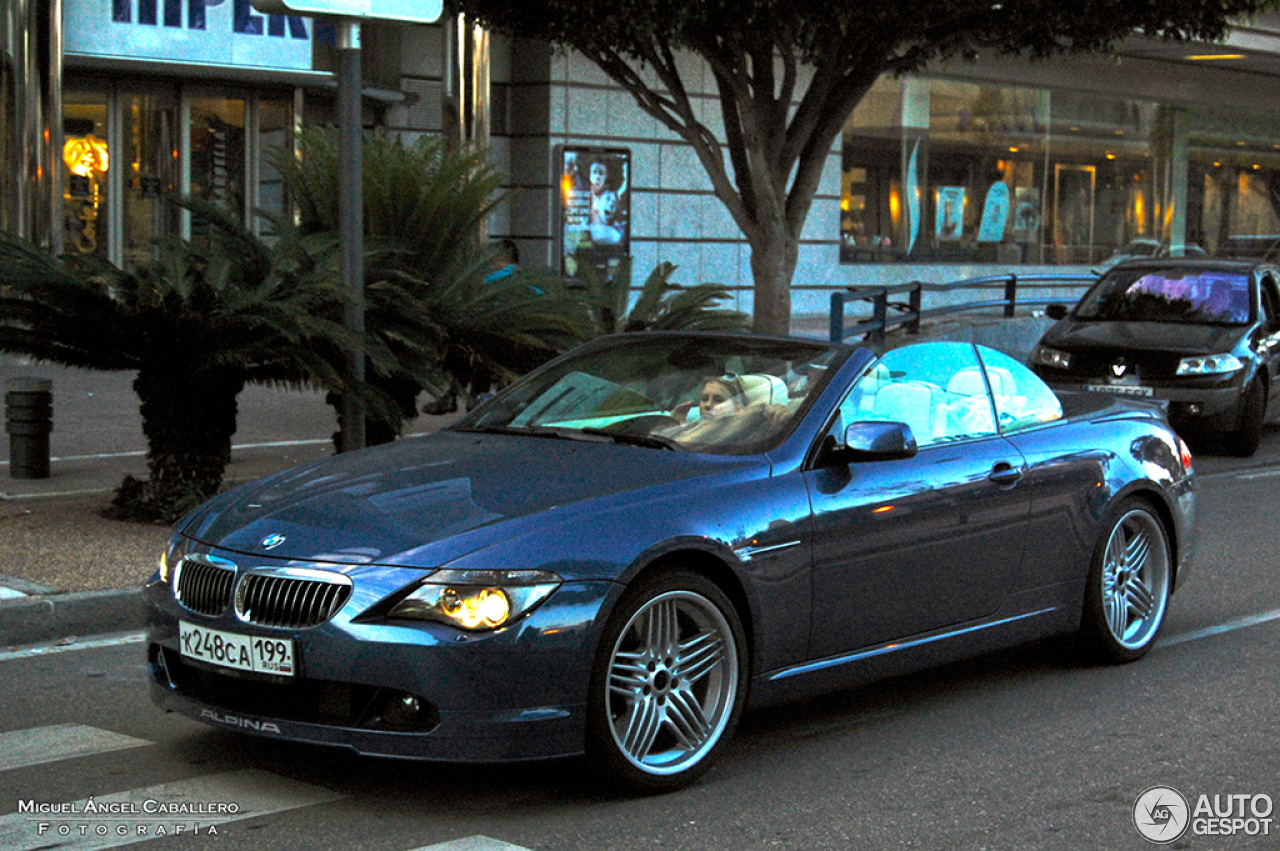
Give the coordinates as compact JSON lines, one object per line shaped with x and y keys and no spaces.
{"x":1184,"y":454}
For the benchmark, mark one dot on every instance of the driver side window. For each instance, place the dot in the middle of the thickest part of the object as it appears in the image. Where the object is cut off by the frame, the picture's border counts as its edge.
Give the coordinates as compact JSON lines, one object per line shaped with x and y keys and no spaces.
{"x":937,"y":389}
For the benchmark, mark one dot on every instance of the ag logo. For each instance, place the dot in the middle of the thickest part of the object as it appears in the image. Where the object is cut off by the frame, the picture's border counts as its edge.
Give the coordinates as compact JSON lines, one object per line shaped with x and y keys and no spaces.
{"x":1161,"y":815}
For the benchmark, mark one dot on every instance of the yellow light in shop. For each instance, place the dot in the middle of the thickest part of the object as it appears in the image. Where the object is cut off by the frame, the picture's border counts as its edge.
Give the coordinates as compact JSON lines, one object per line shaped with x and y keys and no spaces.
{"x":85,"y":154}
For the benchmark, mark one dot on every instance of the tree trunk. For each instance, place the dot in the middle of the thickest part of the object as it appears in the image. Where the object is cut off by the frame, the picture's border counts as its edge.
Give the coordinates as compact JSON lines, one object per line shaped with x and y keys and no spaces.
{"x":774,"y":255}
{"x":188,"y":419}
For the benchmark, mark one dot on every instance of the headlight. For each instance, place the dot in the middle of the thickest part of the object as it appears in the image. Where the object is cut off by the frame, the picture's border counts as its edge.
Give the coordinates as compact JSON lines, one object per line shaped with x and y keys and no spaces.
{"x":477,"y":599}
{"x":1045,"y":356}
{"x":1209,"y":365}
{"x":168,"y":561}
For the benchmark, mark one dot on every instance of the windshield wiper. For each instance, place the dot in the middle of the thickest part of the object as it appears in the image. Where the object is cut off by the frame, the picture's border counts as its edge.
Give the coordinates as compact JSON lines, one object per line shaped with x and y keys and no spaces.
{"x":627,"y":438}
{"x":524,"y":430}
{"x":631,"y":438}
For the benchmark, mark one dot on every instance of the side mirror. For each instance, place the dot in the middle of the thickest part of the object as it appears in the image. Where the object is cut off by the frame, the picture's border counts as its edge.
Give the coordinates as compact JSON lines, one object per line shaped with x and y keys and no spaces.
{"x":878,"y":441}
{"x":1057,"y":311}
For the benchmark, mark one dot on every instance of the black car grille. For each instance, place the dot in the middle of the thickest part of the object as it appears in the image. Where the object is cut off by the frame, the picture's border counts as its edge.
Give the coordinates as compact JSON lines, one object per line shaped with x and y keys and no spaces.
{"x":290,"y":601}
{"x":204,"y":587}
{"x":1097,"y":363}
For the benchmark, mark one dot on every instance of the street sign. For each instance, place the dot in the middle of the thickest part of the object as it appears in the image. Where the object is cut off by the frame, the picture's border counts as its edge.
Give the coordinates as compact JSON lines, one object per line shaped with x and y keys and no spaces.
{"x":408,"y":11}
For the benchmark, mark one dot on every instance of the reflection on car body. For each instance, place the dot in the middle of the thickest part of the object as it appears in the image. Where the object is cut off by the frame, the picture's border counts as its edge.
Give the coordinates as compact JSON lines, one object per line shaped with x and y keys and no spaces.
{"x":1204,"y":335}
{"x":561,"y":573}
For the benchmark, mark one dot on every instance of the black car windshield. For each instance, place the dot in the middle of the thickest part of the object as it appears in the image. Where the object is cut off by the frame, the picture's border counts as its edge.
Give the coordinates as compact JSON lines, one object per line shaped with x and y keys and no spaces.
{"x":721,"y":394}
{"x":1168,"y":295}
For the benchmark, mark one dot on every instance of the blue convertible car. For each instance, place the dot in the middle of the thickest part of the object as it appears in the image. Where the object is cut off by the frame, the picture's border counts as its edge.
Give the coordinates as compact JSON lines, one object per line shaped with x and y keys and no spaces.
{"x":621,"y":551}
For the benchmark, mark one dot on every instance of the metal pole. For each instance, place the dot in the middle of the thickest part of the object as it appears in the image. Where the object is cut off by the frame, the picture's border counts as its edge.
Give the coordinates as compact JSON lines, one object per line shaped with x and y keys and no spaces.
{"x":351,"y":216}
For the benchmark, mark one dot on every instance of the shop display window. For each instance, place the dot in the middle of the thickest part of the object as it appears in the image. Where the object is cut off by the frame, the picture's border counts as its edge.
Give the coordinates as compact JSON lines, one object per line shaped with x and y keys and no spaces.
{"x":946,"y":171}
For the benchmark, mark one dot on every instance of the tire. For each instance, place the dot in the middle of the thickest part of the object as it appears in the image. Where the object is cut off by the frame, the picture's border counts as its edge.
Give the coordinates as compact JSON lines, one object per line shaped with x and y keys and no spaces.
{"x":668,"y":685}
{"x":1129,"y":585}
{"x":1243,"y":442}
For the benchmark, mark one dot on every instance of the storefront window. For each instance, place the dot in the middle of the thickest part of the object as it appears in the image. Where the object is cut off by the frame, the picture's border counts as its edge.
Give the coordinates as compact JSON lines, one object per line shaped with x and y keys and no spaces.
{"x":84,"y":182}
{"x":938,"y":171}
{"x":218,"y":162}
{"x":150,"y":155}
{"x":275,"y":131}
{"x":1234,"y":183}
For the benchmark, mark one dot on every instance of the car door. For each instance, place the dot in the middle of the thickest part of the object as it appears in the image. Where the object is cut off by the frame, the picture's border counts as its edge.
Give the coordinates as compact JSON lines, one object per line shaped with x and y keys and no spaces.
{"x":910,"y":545}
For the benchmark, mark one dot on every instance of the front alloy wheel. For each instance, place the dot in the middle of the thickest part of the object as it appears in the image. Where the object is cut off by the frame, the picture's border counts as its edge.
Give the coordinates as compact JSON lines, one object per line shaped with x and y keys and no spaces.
{"x":669,"y":683}
{"x":1129,"y":585}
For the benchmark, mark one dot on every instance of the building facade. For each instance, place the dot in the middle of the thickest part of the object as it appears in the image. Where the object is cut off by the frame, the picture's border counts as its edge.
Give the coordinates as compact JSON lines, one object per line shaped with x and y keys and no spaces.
{"x":970,"y":168}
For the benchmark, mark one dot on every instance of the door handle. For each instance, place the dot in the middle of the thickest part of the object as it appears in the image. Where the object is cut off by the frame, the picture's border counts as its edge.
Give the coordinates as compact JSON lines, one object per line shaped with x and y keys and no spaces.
{"x":1005,"y":474}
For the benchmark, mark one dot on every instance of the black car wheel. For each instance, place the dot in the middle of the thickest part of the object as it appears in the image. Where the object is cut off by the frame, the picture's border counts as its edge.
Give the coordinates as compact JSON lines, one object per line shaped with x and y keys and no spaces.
{"x":1243,"y":442}
{"x":668,"y":685}
{"x":1129,"y":584}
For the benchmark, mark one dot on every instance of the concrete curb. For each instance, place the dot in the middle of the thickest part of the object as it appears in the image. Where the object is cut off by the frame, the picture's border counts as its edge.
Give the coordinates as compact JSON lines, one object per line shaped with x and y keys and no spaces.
{"x":33,"y":620}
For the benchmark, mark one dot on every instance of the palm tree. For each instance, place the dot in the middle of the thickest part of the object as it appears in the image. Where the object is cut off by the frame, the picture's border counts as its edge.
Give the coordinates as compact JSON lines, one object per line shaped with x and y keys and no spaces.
{"x":429,"y":298}
{"x":196,"y":325}
{"x":661,"y":305}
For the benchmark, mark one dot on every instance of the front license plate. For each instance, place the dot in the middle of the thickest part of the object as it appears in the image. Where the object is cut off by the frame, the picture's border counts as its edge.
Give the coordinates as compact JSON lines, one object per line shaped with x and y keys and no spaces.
{"x":1119,"y":389}
{"x":255,"y":653}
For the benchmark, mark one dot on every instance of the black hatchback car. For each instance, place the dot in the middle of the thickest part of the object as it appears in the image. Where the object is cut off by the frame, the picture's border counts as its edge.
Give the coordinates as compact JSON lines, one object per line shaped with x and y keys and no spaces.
{"x":1204,"y":335}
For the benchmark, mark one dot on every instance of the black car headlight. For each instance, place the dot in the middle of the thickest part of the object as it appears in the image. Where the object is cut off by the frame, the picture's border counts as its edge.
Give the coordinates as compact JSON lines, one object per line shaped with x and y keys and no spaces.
{"x":1209,"y":364}
{"x":1046,"y":356}
{"x":477,"y":600}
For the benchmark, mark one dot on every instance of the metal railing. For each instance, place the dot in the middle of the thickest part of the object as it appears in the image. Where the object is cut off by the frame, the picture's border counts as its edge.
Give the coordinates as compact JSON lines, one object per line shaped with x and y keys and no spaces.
{"x":910,"y":313}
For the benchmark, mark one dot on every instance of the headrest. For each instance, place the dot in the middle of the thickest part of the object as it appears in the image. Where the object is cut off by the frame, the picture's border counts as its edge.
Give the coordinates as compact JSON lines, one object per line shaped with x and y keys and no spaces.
{"x":764,"y":389}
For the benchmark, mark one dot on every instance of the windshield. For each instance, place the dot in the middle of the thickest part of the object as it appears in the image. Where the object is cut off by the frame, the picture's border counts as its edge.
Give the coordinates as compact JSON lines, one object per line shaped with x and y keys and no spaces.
{"x":1168,"y":295}
{"x":721,"y":394}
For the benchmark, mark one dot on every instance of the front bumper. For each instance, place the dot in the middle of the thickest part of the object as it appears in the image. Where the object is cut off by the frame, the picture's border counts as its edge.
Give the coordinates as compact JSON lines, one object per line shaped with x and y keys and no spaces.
{"x":1200,"y":404}
{"x":397,"y":689}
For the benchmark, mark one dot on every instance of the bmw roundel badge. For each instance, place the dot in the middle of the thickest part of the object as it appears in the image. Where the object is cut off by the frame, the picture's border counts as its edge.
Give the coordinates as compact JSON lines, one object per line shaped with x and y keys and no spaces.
{"x":272,"y":541}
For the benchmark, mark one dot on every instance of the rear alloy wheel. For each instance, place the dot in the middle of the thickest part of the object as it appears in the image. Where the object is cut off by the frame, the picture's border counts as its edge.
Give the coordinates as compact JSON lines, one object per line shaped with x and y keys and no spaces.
{"x":1129,"y":585}
{"x":1243,"y":442}
{"x":668,"y":684}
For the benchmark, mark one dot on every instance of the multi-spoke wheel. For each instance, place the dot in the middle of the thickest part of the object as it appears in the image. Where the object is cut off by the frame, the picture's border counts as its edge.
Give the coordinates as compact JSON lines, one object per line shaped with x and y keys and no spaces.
{"x":1129,"y":584}
{"x":668,"y":683}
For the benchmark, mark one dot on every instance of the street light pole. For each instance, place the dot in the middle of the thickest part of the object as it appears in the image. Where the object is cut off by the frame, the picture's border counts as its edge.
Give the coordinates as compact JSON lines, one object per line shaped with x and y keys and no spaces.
{"x":351,"y":216}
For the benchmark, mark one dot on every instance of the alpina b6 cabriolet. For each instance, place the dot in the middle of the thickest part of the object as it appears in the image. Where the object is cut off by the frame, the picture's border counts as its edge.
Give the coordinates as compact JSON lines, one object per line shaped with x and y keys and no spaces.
{"x":621,"y":551}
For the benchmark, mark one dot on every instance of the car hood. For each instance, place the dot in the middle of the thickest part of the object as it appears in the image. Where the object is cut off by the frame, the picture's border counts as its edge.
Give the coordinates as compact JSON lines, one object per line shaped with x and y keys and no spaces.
{"x":425,"y":501}
{"x":1074,"y":335}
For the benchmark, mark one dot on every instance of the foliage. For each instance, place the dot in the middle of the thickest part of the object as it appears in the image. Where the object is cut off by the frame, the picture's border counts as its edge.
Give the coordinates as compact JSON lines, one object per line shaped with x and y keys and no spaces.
{"x":427,"y":297}
{"x":661,"y":306}
{"x":197,"y":324}
{"x":788,"y":75}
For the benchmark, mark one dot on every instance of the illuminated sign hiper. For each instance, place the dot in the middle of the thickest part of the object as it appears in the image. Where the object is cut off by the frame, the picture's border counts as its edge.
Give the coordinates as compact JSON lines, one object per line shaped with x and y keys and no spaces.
{"x":224,"y":33}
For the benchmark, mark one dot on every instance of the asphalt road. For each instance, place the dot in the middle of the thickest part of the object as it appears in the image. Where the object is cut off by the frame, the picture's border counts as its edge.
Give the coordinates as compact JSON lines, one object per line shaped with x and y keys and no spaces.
{"x":1023,"y":749}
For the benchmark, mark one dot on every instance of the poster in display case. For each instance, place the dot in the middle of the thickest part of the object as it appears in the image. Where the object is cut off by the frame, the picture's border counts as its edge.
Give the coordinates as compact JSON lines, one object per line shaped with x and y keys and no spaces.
{"x":595,"y":207}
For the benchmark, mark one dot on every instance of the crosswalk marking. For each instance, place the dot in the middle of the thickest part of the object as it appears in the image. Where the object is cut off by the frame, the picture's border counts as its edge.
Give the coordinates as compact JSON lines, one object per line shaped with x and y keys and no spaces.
{"x":39,"y":745}
{"x":195,"y":807}
{"x":473,"y":843}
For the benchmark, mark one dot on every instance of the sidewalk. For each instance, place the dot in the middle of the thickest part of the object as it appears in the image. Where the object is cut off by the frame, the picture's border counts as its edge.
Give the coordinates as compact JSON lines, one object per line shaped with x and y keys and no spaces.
{"x":67,"y":571}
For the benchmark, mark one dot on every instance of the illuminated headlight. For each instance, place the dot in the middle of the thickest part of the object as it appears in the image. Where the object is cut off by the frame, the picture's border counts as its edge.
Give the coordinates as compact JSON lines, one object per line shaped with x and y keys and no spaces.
{"x":1045,"y":356}
{"x":168,"y":560}
{"x":1209,"y":365}
{"x":477,"y":599}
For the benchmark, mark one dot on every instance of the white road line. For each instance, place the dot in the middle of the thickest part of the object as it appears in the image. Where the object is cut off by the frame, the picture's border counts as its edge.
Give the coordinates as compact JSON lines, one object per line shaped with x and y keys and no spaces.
{"x":1219,"y":629}
{"x":79,"y":644}
{"x":195,"y":807}
{"x":39,"y":745}
{"x":473,"y":843}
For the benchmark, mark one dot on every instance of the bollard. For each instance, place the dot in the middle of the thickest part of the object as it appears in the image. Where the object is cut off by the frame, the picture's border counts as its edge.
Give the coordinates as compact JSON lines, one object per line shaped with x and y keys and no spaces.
{"x":28,"y":418}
